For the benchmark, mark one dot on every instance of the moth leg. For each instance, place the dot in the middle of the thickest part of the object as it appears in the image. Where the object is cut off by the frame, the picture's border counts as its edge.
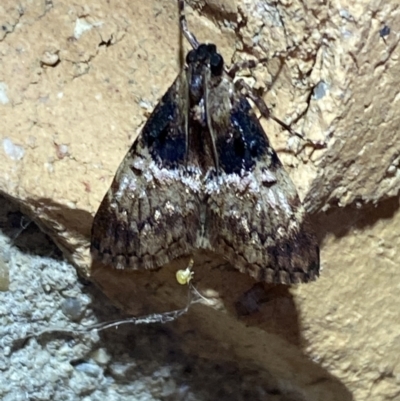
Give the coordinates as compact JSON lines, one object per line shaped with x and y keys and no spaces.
{"x":245,"y":64}
{"x":243,"y":87}
{"x":251,"y":64}
{"x":183,"y":26}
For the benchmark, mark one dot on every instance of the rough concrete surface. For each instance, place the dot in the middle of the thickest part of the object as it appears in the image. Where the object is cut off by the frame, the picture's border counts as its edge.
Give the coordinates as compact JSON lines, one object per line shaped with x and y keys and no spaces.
{"x":77,"y":82}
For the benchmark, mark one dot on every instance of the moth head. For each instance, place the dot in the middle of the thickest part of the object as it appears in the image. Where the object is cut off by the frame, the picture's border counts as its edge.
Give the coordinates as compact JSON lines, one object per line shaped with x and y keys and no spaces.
{"x":204,"y":65}
{"x":206,"y":55}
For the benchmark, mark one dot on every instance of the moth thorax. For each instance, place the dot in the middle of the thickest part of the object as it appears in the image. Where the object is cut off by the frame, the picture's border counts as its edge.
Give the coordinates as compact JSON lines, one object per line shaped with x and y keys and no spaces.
{"x":198,"y":114}
{"x":196,"y":87}
{"x":204,"y":64}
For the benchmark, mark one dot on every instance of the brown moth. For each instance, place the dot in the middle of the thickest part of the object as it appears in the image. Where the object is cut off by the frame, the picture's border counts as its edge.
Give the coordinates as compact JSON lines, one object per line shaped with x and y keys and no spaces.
{"x":202,"y":176}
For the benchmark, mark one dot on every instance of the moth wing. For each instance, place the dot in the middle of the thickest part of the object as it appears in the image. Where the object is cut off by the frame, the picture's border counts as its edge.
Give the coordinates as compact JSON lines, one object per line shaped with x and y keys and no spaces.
{"x":255,"y":217}
{"x":149,"y":216}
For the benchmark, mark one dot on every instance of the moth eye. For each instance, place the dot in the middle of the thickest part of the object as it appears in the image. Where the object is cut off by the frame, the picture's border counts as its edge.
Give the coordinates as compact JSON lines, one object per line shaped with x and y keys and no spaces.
{"x":191,"y":57}
{"x":216,"y":64}
{"x":202,"y":52}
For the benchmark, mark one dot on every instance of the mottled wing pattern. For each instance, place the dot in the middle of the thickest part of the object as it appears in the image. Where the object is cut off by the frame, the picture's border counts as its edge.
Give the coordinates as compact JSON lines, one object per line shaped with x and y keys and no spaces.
{"x":202,"y":175}
{"x":150,"y":214}
{"x":254,"y":216}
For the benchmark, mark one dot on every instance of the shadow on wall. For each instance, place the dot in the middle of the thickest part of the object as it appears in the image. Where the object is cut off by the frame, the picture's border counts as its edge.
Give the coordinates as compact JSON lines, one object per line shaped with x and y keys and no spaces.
{"x":221,"y":355}
{"x":339,"y":221}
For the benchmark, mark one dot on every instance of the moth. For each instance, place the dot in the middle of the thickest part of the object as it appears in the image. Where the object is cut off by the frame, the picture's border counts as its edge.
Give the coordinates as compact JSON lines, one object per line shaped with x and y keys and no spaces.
{"x":202,"y":176}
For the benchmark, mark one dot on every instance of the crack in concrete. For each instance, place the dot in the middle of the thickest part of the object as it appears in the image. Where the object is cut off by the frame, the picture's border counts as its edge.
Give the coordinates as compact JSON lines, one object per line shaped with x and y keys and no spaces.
{"x":5,"y":28}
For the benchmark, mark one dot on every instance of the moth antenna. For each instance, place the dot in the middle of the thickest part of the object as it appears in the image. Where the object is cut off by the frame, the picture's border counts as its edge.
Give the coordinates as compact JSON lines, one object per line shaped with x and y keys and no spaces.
{"x":211,"y":129}
{"x":183,"y":26}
